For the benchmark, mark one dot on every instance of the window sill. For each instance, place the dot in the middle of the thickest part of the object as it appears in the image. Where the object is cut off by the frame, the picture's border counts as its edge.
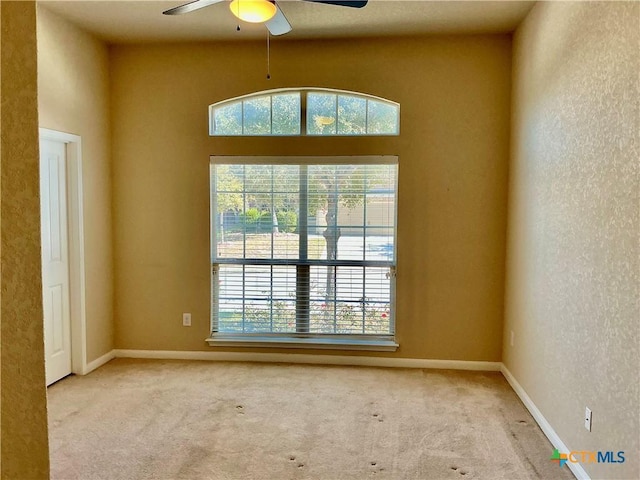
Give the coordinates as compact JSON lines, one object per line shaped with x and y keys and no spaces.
{"x":331,"y":343}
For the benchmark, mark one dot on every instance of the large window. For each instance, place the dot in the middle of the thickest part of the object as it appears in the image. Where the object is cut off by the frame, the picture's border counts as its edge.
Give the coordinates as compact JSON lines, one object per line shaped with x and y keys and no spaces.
{"x":306,"y":111}
{"x":304,"y":249}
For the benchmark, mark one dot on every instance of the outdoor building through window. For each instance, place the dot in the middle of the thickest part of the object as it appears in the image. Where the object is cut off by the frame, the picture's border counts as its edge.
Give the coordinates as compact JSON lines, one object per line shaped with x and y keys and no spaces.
{"x":304,"y":112}
{"x":303,"y":249}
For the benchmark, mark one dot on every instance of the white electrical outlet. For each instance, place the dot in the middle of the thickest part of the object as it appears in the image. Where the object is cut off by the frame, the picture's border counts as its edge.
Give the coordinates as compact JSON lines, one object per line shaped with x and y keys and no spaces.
{"x":186,"y":319}
{"x":512,"y":338}
{"x":587,"y":418}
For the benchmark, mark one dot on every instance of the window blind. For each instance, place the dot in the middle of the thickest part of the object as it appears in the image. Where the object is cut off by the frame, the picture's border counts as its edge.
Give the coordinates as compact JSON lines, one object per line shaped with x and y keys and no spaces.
{"x":303,"y":247}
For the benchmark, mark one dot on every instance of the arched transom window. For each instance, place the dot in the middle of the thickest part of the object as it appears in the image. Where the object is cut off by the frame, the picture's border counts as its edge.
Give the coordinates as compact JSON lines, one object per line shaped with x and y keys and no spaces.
{"x":306,"y":111}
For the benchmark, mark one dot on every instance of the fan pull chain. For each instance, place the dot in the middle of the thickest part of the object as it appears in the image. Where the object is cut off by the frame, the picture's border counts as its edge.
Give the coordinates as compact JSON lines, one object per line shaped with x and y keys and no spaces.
{"x":268,"y":56}
{"x":237,"y":14}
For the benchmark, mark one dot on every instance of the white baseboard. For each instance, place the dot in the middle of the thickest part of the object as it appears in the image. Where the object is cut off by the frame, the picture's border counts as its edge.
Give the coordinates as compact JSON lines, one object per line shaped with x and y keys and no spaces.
{"x":98,"y":362}
{"x":311,"y":359}
{"x":546,"y":427}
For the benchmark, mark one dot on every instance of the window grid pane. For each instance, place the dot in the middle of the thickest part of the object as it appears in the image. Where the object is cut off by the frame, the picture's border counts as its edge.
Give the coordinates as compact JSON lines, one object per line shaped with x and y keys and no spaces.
{"x":382,"y":118}
{"x":228,"y":119}
{"x":256,"y":116}
{"x":286,"y":114}
{"x":322,"y":111}
{"x":352,"y":115}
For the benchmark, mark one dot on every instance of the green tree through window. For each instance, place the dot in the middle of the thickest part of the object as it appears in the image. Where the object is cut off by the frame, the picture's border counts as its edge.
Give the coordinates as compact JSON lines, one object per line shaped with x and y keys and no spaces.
{"x":277,"y":271}
{"x":327,"y":112}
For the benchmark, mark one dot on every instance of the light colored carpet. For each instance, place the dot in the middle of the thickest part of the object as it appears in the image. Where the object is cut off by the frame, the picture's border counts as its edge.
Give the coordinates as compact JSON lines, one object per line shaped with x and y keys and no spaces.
{"x":144,"y":419}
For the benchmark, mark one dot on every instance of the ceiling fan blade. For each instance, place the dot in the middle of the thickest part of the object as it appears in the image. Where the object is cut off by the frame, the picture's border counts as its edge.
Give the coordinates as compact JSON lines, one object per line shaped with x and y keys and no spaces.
{"x":342,"y":3}
{"x":190,"y":7}
{"x":278,"y":25}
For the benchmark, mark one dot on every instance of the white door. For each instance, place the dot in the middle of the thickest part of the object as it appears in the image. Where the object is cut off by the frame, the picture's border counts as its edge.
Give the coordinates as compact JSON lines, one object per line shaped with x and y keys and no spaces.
{"x":55,"y":259}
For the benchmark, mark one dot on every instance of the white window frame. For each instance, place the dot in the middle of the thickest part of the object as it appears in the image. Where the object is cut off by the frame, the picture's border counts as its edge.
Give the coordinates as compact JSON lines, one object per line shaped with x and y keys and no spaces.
{"x":308,"y":340}
{"x":304,"y":91}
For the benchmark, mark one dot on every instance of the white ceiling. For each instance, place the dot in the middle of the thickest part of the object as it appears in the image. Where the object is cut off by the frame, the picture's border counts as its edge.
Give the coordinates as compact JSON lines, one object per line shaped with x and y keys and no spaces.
{"x":126,"y":21}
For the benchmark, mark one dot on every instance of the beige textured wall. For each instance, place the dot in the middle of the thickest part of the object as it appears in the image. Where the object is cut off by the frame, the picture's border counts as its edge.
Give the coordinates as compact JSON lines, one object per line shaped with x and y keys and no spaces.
{"x":573,"y":255}
{"x":0,"y":247}
{"x":73,"y":88}
{"x":455,"y":106}
{"x":25,"y":450}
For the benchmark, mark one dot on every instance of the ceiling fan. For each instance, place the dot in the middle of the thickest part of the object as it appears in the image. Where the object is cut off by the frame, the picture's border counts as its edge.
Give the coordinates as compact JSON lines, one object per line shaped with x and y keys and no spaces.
{"x":259,"y":11}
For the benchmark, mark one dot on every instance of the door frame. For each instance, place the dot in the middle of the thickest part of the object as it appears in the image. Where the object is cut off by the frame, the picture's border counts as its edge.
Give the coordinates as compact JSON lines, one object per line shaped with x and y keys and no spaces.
{"x":75,"y":220}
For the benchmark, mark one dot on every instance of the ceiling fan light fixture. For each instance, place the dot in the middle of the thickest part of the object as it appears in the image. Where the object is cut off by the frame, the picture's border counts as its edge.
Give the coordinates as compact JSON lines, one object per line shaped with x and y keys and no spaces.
{"x":253,"y":11}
